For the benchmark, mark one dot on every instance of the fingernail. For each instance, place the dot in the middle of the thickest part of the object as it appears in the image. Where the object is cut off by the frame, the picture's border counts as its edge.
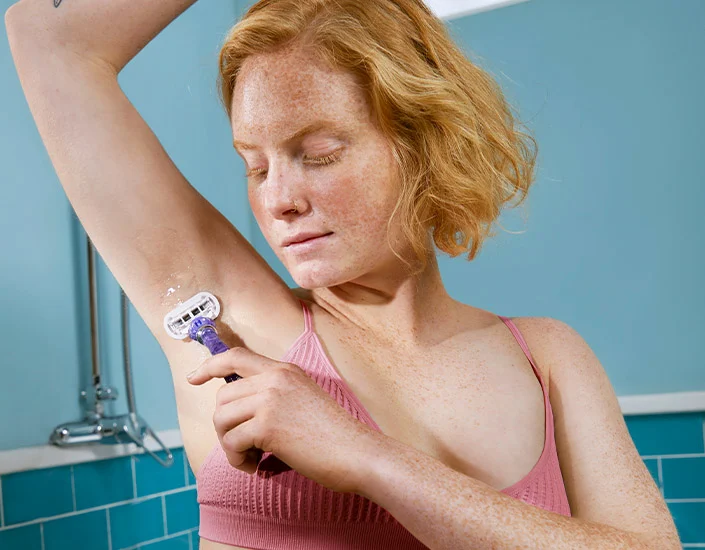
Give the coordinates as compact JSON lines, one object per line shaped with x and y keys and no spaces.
{"x":190,"y":374}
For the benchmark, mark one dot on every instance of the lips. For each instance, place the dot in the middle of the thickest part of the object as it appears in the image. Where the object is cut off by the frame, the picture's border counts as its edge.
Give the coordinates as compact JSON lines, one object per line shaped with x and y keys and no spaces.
{"x":309,"y":238}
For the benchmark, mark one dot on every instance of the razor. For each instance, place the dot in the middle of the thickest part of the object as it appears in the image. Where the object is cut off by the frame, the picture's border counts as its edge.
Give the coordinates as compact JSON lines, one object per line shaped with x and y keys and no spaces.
{"x":195,"y":318}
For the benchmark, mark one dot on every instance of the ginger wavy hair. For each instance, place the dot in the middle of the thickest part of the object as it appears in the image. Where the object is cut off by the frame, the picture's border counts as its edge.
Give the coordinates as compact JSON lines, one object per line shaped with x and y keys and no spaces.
{"x":457,"y":145}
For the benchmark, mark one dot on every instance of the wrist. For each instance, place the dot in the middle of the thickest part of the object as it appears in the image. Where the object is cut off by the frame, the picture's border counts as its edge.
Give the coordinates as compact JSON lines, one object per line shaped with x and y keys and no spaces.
{"x":376,"y":452}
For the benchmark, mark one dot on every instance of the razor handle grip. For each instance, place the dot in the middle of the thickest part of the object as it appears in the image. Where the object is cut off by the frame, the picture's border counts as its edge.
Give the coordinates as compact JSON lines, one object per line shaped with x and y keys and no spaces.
{"x":215,"y":345}
{"x":203,"y":330}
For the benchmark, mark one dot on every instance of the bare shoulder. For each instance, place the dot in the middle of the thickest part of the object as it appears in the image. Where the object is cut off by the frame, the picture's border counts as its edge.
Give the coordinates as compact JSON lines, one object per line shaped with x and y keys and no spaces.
{"x":606,"y":480}
{"x":550,"y":341}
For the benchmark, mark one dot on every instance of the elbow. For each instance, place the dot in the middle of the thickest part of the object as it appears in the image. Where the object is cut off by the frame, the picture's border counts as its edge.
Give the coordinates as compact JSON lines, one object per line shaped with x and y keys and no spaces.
{"x":15,"y":16}
{"x":10,"y":16}
{"x":30,"y":23}
{"x":19,"y":27}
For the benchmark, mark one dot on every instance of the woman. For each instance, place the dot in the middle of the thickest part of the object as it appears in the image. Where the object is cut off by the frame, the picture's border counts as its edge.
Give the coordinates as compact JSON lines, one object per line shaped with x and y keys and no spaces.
{"x":395,"y":416}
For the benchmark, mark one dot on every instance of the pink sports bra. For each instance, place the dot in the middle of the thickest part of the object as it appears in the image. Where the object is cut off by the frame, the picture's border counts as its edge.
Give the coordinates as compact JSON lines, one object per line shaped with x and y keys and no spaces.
{"x":288,"y":511}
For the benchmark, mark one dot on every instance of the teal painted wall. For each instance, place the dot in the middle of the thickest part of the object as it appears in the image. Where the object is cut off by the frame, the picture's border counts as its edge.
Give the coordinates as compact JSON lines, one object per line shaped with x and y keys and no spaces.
{"x":611,"y":242}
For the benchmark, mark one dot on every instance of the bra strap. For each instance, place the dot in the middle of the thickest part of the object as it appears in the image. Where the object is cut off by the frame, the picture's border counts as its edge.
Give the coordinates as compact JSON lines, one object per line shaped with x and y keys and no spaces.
{"x":525,"y":348}
{"x":308,"y":325}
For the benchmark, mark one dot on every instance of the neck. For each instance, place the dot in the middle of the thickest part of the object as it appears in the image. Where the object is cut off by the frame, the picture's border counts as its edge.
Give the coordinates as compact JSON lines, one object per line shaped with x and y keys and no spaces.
{"x":404,"y":311}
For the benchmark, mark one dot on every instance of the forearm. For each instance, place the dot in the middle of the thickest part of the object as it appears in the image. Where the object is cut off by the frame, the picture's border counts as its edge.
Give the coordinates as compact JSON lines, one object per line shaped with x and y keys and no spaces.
{"x":113,"y":31}
{"x":447,"y":510}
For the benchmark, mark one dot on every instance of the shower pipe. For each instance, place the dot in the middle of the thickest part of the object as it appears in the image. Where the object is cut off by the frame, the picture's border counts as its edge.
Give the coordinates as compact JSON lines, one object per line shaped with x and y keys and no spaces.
{"x":96,"y":427}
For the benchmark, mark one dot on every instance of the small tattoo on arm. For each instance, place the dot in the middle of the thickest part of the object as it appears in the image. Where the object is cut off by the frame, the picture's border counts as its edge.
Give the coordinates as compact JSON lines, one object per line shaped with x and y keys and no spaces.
{"x":57,"y":3}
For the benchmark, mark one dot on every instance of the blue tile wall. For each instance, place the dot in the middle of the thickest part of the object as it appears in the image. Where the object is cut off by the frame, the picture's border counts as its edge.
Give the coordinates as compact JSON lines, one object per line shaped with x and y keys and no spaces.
{"x":673,"y":449}
{"x":132,"y":503}
{"x":83,"y":531}
{"x":125,"y":503}
{"x":37,"y":493}
{"x":26,"y":538}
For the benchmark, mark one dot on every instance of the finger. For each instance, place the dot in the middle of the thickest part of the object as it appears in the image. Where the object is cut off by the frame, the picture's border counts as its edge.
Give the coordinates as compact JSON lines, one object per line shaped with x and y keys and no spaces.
{"x":229,"y":416}
{"x":241,"y":446}
{"x":237,"y":360}
{"x":232,"y":392}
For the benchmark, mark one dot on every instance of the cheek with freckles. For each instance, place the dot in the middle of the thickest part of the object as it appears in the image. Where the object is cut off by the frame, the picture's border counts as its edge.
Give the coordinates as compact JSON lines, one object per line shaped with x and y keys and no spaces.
{"x":357,"y":206}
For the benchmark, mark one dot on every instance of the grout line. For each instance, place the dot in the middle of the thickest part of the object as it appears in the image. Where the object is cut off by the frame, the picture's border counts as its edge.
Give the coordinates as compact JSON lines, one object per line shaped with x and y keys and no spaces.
{"x":110,"y":536}
{"x":41,"y":533}
{"x":2,"y":511}
{"x":684,"y":500}
{"x":73,"y":489}
{"x":660,"y":476}
{"x":684,"y":455}
{"x":164,"y":514}
{"x":158,"y":539}
{"x":190,"y":540}
{"x":106,"y":506}
{"x":134,"y":477}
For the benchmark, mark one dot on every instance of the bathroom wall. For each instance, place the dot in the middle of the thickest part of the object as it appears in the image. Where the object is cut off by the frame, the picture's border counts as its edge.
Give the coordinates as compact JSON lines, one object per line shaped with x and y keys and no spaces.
{"x":118,"y":504}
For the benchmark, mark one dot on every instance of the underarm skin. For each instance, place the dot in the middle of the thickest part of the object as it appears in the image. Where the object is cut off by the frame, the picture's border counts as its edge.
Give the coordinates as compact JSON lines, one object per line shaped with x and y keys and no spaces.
{"x":447,"y":510}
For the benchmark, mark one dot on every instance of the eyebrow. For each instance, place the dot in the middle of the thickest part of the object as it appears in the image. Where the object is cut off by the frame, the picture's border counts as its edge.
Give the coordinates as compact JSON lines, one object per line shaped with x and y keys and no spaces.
{"x":308,"y":129}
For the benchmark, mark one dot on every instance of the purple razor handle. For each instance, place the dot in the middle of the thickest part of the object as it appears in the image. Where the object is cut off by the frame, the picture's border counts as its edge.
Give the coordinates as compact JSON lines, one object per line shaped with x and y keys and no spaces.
{"x":203,"y":331}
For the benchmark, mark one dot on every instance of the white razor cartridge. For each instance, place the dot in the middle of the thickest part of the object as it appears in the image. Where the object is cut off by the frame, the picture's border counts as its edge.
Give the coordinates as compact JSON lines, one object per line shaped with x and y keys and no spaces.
{"x":178,"y":320}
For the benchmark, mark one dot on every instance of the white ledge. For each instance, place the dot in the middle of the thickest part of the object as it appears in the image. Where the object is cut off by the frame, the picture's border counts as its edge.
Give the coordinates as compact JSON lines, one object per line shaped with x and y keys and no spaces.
{"x":450,"y":9}
{"x":663,"y":403}
{"x":46,"y":456}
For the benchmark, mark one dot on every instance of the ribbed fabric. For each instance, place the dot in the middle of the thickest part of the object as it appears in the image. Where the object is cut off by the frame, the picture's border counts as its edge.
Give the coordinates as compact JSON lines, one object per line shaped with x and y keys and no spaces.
{"x":288,"y":511}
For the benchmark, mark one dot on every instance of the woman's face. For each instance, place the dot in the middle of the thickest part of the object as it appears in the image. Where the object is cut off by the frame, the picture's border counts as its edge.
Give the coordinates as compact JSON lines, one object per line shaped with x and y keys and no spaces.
{"x":341,"y":173}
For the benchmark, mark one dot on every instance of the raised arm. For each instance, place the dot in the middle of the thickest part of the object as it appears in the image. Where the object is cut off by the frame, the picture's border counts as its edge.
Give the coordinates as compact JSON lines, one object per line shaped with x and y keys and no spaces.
{"x":150,"y":226}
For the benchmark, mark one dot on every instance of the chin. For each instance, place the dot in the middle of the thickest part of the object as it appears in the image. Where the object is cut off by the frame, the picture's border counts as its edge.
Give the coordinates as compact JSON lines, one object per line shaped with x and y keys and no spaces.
{"x":314,"y":274}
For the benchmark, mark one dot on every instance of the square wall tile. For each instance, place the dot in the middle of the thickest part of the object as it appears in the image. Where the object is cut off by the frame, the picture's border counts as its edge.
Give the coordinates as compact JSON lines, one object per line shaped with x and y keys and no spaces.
{"x":87,"y":531}
{"x":663,"y":434}
{"x":181,"y":511}
{"x":154,"y":478}
{"x":134,"y":523}
{"x":103,"y":482}
{"x":684,"y":478}
{"x":690,"y":521}
{"x":23,"y":538}
{"x":36,"y":494}
{"x":176,"y":543}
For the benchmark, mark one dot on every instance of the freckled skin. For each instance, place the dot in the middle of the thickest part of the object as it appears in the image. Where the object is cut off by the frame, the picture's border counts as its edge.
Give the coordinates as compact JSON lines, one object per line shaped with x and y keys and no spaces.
{"x":355,"y":273}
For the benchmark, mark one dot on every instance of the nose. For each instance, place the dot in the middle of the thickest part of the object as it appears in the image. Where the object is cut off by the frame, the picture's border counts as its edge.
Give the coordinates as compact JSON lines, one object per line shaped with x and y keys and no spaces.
{"x":284,"y":184}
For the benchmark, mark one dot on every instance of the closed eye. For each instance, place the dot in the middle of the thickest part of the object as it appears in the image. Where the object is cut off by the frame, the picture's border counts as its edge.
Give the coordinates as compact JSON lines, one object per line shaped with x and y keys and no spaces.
{"x":321,"y":161}
{"x":328,"y":159}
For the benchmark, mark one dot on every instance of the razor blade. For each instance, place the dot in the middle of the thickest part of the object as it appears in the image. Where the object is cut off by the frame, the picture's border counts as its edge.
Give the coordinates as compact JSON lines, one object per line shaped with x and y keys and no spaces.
{"x":178,"y":320}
